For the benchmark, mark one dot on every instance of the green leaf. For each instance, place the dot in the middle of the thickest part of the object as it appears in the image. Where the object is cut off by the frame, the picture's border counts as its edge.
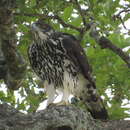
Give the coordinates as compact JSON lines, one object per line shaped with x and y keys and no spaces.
{"x":33,"y":3}
{"x":76,"y":21}
{"x":20,"y":3}
{"x":127,"y":16}
{"x":67,"y":13}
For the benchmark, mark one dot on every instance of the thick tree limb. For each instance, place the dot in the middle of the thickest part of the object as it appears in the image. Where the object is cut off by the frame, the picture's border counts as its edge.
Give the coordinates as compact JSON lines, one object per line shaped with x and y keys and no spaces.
{"x":55,"y":118}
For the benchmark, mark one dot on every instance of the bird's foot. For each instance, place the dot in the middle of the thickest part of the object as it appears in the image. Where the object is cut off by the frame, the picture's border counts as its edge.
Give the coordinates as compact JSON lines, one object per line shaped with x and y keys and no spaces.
{"x":62,"y":103}
{"x":51,"y":105}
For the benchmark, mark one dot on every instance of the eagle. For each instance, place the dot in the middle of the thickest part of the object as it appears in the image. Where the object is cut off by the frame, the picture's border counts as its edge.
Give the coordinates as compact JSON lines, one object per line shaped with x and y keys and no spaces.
{"x":60,"y":62}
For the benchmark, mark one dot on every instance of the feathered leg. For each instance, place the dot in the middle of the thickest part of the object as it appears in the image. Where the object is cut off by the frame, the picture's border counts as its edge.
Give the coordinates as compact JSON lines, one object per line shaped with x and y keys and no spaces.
{"x":50,"y":90}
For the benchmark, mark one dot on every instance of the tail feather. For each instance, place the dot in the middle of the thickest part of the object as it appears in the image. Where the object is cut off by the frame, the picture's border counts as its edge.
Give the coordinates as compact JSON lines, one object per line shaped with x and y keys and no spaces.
{"x":97,"y":108}
{"x":93,"y":101}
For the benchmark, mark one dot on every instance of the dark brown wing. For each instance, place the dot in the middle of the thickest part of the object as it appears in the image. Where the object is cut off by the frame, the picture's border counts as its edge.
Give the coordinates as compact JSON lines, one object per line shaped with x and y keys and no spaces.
{"x":77,"y":55}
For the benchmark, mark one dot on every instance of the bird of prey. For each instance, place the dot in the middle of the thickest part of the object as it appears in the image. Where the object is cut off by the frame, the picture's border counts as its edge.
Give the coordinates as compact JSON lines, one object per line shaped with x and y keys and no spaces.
{"x":60,"y":62}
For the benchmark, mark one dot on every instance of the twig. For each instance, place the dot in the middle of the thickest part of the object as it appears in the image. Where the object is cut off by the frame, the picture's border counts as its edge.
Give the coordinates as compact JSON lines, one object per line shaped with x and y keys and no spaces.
{"x":122,"y":11}
{"x":65,"y":24}
{"x":122,"y":22}
{"x":118,"y":16}
{"x":80,"y":11}
{"x":87,"y":26}
{"x":55,"y":17}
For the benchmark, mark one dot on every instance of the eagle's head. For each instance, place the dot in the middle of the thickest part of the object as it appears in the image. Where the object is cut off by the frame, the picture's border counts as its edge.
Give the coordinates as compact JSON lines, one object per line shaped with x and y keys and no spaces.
{"x":41,"y":30}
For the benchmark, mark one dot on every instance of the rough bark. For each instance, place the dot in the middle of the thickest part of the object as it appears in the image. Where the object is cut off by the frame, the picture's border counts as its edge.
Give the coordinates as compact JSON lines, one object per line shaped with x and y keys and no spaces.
{"x":12,"y":64}
{"x":55,"y":118}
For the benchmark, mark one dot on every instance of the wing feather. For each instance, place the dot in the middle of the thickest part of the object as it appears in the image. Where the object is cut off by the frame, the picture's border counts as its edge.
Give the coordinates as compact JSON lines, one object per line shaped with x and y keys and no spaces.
{"x":78,"y":56}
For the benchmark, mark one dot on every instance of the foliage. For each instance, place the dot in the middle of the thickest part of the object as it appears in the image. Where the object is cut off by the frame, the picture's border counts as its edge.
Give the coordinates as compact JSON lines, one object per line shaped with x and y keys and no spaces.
{"x":110,"y":71}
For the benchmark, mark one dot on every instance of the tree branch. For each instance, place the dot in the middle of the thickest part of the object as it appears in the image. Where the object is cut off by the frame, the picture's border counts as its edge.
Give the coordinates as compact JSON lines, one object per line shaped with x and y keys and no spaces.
{"x":107,"y":44}
{"x":55,"y":17}
{"x":118,"y":16}
{"x":80,"y":11}
{"x":122,"y":11}
{"x":55,"y":118}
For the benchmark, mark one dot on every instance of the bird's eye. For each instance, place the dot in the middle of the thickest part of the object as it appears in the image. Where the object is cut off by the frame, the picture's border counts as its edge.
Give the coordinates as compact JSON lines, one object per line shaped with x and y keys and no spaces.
{"x":46,"y":27}
{"x":43,"y":26}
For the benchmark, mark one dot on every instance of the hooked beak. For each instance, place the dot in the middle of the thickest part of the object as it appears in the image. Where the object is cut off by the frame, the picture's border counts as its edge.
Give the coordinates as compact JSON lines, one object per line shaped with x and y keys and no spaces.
{"x":34,"y":27}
